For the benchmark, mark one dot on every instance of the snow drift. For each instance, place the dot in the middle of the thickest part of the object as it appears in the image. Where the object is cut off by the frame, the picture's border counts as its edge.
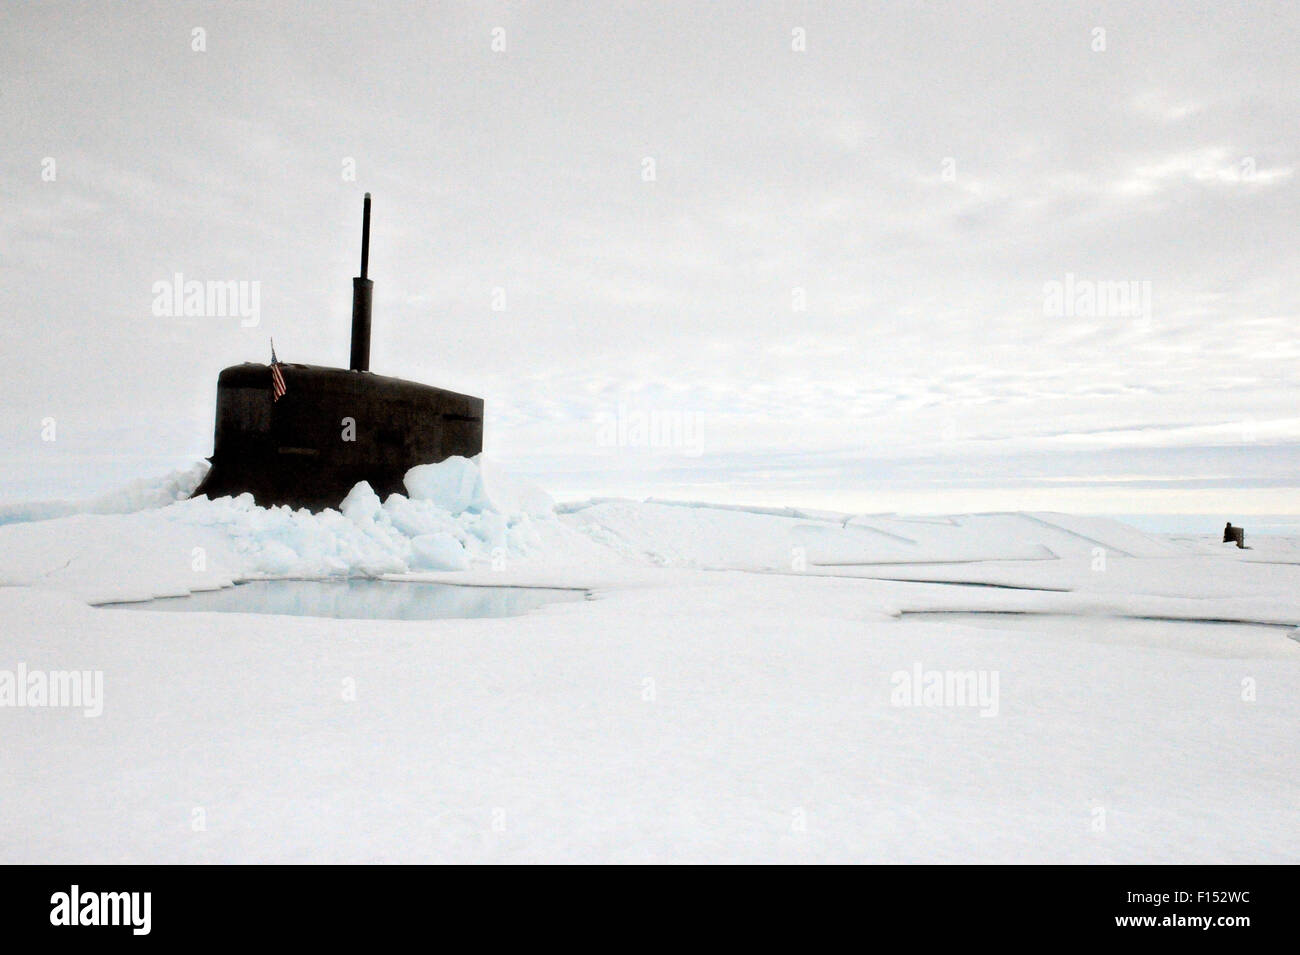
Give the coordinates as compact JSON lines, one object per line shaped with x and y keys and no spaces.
{"x":456,"y":514}
{"x":139,"y":495}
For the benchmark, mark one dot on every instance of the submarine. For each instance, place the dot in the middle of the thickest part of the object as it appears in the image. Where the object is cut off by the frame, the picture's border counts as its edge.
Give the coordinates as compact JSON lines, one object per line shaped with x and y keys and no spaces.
{"x":304,"y":435}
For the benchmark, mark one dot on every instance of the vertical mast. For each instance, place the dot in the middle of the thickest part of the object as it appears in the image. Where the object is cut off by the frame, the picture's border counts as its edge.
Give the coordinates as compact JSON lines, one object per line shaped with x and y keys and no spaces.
{"x":362,"y":290}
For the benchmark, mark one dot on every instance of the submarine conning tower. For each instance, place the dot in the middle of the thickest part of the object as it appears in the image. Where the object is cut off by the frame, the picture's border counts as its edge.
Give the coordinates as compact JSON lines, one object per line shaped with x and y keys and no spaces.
{"x":332,"y":427}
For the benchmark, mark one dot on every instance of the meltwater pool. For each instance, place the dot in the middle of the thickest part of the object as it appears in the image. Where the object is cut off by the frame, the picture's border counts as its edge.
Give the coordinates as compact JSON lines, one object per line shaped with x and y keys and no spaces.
{"x":364,"y":599}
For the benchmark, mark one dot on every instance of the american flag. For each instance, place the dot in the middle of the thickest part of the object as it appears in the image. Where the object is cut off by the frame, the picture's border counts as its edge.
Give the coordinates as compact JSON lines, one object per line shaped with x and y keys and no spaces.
{"x":277,"y":377}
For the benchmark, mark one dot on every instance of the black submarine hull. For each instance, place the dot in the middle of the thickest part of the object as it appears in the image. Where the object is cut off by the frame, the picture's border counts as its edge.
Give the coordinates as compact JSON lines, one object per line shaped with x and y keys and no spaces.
{"x":332,"y":428}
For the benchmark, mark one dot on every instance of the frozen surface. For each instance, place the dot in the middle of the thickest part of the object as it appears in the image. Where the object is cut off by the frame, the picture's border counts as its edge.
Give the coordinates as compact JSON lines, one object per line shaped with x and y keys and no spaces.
{"x":728,"y":695}
{"x":136,"y":496}
{"x":1208,"y":638}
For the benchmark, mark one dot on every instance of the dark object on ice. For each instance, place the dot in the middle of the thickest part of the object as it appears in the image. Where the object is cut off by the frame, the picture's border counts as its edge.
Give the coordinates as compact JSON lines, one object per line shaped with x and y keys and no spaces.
{"x":333,"y":427}
{"x":1237,"y":534}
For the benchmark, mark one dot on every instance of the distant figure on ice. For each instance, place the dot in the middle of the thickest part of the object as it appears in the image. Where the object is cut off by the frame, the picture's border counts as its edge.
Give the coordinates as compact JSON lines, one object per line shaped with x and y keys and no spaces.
{"x":1237,"y":534}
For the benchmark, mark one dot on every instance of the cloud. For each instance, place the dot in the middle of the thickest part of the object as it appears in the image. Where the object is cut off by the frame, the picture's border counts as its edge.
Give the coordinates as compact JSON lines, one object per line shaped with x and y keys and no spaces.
{"x":1210,"y":165}
{"x":1159,"y":105}
{"x":806,"y":272}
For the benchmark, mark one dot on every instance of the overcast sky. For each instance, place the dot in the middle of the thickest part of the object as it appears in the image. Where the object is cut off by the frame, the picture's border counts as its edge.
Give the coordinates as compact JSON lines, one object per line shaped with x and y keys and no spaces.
{"x":813,"y":242}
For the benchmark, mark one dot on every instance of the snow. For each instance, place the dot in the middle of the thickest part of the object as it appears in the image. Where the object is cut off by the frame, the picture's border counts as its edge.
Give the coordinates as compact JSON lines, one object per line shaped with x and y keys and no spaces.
{"x":726,"y":696}
{"x":136,"y":496}
{"x":199,"y":544}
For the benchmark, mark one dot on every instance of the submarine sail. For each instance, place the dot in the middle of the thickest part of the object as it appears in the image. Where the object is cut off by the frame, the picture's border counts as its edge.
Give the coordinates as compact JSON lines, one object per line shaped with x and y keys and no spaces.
{"x":333,"y":427}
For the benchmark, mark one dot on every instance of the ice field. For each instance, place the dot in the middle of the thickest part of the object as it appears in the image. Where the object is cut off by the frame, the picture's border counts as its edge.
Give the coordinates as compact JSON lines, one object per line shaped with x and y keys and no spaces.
{"x":742,"y":685}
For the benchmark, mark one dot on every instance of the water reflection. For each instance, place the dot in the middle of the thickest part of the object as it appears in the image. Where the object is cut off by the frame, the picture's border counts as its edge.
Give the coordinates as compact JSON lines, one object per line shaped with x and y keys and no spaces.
{"x":364,"y":599}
